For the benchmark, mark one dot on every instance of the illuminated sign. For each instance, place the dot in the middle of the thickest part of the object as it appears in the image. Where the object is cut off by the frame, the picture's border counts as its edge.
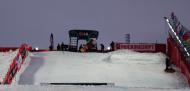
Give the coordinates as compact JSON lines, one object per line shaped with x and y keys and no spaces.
{"x":83,"y":34}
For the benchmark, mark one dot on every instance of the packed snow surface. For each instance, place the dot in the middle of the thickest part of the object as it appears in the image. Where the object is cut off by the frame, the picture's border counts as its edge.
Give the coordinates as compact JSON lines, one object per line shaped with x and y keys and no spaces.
{"x":80,"y":88}
{"x":123,"y":68}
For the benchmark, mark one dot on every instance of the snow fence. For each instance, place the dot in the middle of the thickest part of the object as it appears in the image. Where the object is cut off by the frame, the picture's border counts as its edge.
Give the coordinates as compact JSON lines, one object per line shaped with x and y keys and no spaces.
{"x":16,"y":63}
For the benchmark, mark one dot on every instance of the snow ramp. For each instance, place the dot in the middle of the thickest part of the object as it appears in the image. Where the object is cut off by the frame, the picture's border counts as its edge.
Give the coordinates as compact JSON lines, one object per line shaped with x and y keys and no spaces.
{"x":123,"y":68}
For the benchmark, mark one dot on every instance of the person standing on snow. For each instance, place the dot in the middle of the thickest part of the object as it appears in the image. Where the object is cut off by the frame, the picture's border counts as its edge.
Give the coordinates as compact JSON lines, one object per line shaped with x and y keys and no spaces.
{"x":112,"y":46}
{"x":51,"y":42}
{"x":102,"y":47}
{"x":58,"y":47}
{"x":62,"y":47}
{"x":169,"y":68}
{"x":167,"y":63}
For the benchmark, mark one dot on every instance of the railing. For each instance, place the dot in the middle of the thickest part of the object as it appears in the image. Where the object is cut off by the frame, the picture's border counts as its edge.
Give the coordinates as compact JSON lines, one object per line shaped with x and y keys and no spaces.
{"x":17,"y":63}
{"x":177,"y":33}
{"x":179,"y":45}
{"x":6,"y":49}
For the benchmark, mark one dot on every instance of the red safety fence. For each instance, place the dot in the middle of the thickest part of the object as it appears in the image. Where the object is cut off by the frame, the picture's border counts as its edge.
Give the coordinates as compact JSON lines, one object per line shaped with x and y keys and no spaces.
{"x":6,"y":49}
{"x":17,"y":63}
{"x":142,"y":47}
{"x":178,"y":58}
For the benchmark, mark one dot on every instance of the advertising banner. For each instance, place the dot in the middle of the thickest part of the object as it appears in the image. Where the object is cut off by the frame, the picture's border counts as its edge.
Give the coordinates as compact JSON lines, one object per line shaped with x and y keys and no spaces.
{"x":136,"y":46}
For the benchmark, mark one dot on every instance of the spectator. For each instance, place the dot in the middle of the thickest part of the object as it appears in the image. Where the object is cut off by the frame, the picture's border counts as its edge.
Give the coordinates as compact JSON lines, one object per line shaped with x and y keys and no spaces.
{"x":173,"y":20}
{"x":62,"y":46}
{"x":51,"y":48}
{"x":58,"y":47}
{"x":112,"y":46}
{"x":51,"y":42}
{"x":167,"y":63}
{"x":169,"y":68}
{"x":102,"y":47}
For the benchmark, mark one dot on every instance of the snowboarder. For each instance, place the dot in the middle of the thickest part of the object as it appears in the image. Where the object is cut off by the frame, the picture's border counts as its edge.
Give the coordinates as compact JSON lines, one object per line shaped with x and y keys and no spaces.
{"x":89,"y":45}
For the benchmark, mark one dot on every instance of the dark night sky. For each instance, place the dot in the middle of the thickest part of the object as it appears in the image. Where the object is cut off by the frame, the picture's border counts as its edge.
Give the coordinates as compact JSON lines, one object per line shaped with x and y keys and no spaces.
{"x":32,"y":21}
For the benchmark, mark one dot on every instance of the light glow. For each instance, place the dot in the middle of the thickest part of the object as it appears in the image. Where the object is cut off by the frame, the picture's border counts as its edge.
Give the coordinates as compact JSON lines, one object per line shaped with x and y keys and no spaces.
{"x":36,"y":48}
{"x":108,"y":48}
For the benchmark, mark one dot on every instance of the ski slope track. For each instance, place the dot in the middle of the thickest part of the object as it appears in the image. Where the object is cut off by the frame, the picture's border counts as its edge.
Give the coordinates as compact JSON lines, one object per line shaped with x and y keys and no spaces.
{"x":123,"y":69}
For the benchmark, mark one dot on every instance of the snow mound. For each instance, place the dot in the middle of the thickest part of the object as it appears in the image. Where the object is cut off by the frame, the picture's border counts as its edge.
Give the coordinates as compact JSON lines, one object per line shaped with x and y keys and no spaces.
{"x":124,"y":68}
{"x":129,"y":56}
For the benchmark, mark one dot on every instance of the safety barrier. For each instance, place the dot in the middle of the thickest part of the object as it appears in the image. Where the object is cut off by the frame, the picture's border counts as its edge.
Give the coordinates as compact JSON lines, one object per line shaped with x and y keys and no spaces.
{"x":16,"y":63}
{"x":178,"y":58}
{"x":5,"y":49}
{"x":142,"y":47}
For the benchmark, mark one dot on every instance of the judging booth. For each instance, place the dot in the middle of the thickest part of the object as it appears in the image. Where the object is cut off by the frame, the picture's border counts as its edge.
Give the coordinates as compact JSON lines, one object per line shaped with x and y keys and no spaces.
{"x":90,"y":36}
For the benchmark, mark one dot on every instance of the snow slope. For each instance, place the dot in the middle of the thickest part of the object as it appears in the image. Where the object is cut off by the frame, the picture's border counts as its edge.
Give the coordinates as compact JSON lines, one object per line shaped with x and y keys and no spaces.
{"x":123,"y":68}
{"x":79,"y":88}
